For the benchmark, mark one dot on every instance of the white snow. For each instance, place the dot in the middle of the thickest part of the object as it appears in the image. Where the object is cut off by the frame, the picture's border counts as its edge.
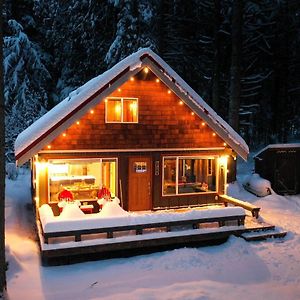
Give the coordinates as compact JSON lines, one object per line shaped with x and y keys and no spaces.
{"x":72,"y":218}
{"x":278,"y":146}
{"x":233,"y":270}
{"x":257,"y":185}
{"x":80,"y":95}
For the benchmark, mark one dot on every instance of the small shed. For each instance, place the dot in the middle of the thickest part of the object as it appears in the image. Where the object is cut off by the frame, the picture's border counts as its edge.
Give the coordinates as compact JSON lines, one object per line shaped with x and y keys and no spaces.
{"x":280,"y":164}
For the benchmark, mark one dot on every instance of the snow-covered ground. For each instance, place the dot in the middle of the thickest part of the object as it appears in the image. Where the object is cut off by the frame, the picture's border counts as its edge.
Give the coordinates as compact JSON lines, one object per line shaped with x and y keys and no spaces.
{"x":233,"y":270}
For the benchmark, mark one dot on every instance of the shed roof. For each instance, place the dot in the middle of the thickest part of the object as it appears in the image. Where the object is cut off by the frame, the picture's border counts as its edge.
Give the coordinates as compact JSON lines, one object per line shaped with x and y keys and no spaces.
{"x":278,"y":146}
{"x":49,"y":126}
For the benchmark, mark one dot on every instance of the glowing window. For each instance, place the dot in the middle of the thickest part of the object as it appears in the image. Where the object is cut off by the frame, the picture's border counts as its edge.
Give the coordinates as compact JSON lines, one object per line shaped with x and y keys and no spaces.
{"x":121,"y":110}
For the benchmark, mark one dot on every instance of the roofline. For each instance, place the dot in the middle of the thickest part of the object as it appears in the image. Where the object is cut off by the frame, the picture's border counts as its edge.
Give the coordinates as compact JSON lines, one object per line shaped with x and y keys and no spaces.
{"x":277,"y":146}
{"x":119,"y":79}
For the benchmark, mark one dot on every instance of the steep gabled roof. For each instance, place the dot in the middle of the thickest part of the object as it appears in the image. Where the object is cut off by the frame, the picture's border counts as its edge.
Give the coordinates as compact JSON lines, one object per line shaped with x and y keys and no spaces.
{"x":64,"y":114}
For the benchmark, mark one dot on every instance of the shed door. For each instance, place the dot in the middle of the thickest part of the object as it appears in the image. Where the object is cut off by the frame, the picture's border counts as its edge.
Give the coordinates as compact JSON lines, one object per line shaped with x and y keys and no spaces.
{"x":140,"y":184}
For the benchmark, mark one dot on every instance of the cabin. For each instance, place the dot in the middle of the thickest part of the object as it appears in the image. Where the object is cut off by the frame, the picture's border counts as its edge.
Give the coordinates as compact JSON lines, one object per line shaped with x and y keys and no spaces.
{"x":139,"y":132}
{"x":280,"y":164}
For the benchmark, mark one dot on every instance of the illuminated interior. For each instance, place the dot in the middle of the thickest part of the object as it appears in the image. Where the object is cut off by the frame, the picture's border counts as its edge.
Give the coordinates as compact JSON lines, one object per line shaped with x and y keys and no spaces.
{"x":186,"y":175}
{"x":83,"y":178}
{"x":121,"y":110}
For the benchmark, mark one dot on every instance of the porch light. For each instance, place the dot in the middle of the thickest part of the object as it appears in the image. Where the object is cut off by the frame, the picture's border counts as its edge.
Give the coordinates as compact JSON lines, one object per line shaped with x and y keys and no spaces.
{"x":146,"y":70}
{"x":223,"y":161}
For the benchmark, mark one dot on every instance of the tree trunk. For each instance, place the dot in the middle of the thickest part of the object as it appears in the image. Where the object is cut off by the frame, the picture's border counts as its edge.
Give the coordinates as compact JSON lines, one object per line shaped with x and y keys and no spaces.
{"x":2,"y":186}
{"x":216,"y":69}
{"x":235,"y":68}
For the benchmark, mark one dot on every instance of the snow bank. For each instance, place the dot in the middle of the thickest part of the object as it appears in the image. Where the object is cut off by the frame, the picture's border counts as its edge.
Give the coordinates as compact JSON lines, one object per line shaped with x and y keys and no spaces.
{"x":257,"y":185}
{"x":113,"y":210}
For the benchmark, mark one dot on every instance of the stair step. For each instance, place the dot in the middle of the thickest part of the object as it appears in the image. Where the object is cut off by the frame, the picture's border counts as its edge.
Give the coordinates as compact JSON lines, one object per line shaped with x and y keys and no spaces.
{"x":263,"y":235}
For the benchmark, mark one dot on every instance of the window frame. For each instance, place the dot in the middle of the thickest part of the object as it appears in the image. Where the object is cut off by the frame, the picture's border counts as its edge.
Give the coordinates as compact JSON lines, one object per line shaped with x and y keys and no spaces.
{"x":177,"y":158}
{"x":122,"y":105}
{"x":91,"y":159}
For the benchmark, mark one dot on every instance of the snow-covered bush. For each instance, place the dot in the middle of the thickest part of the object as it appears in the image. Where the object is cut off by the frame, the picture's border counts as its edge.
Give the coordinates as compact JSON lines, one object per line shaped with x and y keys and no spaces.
{"x":11,"y":171}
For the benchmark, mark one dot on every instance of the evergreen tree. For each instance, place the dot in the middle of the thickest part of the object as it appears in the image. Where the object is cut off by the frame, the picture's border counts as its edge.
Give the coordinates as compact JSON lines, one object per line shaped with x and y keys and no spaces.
{"x":25,"y":82}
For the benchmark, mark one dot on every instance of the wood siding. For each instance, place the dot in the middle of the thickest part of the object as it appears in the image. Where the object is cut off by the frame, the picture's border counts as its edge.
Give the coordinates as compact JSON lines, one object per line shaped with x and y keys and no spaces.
{"x":163,"y":123}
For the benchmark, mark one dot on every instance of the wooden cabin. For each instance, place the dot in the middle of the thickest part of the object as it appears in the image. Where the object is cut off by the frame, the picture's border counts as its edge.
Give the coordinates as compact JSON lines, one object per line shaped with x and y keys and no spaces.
{"x":280,"y":164}
{"x":139,"y":130}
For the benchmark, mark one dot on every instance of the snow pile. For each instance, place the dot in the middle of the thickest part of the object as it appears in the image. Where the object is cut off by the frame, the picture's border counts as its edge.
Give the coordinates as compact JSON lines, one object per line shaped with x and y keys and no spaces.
{"x":112,"y":209}
{"x":71,"y":211}
{"x":257,"y":185}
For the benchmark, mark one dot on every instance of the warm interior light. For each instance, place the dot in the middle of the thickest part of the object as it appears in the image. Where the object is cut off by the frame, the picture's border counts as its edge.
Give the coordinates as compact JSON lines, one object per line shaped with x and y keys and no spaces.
{"x":169,"y":92}
{"x":157,"y":80}
{"x":118,"y":109}
{"x":223,"y":161}
{"x":131,"y":79}
{"x":91,"y":111}
{"x":133,"y":106}
{"x":146,"y":70}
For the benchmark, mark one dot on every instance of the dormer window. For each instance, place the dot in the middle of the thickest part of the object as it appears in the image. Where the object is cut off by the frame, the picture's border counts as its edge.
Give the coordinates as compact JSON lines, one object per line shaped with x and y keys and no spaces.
{"x":121,"y":110}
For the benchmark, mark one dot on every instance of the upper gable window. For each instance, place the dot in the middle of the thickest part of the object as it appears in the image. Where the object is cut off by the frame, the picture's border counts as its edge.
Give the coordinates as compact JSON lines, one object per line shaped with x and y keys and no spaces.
{"x":121,"y":110}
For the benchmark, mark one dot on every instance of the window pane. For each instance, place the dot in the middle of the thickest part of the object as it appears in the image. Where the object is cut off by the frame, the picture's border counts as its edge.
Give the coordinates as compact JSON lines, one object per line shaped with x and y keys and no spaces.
{"x":113,"y":110}
{"x":81,"y":178}
{"x":130,"y":110}
{"x":169,"y":180}
{"x":109,"y":175}
{"x":196,"y":175}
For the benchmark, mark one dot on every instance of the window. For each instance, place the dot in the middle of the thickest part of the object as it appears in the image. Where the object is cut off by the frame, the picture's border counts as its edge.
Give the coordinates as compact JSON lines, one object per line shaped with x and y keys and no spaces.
{"x":189,"y":175}
{"x":121,"y":110}
{"x":82,"y":177}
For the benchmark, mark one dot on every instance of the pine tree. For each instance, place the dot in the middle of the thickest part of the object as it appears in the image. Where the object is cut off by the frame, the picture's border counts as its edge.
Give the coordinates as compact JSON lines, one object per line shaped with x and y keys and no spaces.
{"x":25,"y":82}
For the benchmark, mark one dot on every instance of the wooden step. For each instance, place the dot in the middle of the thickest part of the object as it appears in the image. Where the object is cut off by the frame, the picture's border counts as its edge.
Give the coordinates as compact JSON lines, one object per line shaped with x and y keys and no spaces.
{"x":262,"y":235}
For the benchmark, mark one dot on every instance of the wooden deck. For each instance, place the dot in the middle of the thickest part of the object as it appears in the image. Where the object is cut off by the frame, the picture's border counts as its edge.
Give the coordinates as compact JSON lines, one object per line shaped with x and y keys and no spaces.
{"x":61,"y":247}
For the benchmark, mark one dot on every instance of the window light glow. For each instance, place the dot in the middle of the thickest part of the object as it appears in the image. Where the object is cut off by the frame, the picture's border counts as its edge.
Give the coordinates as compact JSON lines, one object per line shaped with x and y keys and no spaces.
{"x":118,"y":109}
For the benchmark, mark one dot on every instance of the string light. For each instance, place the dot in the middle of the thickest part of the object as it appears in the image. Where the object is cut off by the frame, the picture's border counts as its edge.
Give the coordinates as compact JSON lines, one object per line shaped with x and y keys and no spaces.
{"x":146,"y":70}
{"x":64,"y":134}
{"x":203,"y":124}
{"x":214,"y":134}
{"x":192,"y":113}
{"x":169,"y":92}
{"x":77,"y":122}
{"x":119,"y":90}
{"x":49,"y":146}
{"x":131,"y":78}
{"x":91,"y":111}
{"x":157,"y":80}
{"x":224,"y":144}
{"x":180,"y":102}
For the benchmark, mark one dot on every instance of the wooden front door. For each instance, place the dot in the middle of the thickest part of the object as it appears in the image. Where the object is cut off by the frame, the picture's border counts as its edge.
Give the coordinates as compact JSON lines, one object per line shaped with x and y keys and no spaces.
{"x":140,"y":184}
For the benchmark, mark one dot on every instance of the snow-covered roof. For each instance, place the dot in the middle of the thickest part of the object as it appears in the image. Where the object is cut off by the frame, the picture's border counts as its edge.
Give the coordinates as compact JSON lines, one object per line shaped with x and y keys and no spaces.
{"x":54,"y":122}
{"x":278,"y":146}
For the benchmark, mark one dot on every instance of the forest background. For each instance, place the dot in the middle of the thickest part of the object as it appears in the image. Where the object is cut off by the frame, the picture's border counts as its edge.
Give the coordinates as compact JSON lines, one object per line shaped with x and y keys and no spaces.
{"x":242,"y":57}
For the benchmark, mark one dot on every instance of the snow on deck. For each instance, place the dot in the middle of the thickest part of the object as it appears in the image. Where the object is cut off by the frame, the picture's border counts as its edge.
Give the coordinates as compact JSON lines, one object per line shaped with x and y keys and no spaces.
{"x":81,"y":94}
{"x":97,"y":220}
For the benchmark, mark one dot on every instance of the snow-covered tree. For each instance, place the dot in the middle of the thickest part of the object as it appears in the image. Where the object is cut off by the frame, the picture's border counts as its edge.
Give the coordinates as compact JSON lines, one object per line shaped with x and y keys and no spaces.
{"x":25,"y":82}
